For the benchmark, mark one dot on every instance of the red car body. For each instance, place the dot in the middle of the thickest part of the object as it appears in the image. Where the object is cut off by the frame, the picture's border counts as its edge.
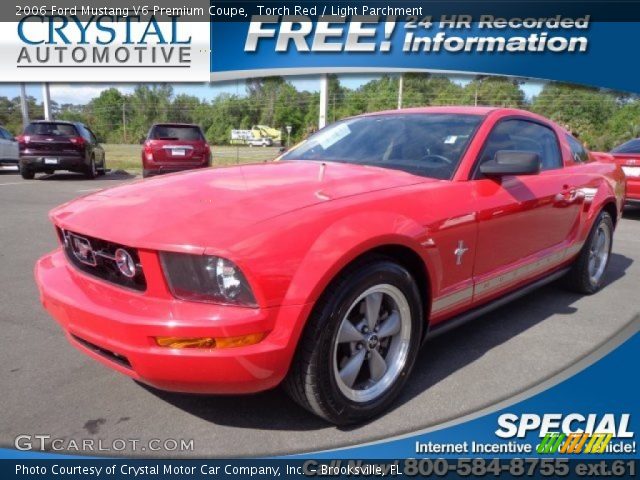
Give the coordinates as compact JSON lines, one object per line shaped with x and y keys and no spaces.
{"x":291,"y":227}
{"x":174,"y":147}
{"x":629,"y":159}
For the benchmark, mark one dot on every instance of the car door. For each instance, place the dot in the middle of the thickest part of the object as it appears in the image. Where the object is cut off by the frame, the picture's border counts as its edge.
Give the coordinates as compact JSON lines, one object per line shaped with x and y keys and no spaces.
{"x":4,"y":144}
{"x":12,"y":151}
{"x":525,"y":222}
{"x":97,"y":148}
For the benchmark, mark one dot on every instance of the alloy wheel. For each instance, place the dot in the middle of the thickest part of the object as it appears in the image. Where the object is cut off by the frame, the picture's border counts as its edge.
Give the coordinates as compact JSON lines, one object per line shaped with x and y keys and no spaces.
{"x":372,"y":344}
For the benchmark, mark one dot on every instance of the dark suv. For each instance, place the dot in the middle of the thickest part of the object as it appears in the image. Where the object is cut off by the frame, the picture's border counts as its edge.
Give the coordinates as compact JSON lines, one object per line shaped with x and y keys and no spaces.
{"x":47,"y":146}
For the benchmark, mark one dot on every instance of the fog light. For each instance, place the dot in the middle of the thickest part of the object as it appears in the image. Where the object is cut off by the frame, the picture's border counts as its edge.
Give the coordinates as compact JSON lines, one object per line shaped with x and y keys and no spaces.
{"x":210,"y":342}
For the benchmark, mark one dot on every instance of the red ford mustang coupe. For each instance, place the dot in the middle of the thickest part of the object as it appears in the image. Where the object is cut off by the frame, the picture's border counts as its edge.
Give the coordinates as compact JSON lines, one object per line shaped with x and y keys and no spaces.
{"x":326,"y":270}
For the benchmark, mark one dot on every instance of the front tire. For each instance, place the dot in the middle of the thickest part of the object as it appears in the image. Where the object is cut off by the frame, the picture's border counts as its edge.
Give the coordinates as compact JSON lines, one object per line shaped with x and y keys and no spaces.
{"x":588,"y":271}
{"x":359,"y":345}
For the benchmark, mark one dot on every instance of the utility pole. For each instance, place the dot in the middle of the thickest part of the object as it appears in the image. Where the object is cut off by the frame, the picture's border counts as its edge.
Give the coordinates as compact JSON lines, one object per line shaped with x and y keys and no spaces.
{"x":400,"y":90}
{"x":46,"y":101}
{"x":23,"y":105}
{"x":124,"y":122}
{"x":324,"y":100}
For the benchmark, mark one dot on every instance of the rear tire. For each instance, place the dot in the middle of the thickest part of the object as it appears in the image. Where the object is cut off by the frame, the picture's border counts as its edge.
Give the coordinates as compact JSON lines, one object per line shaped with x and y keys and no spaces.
{"x":145,"y":174}
{"x":359,"y":345}
{"x":91,"y":171}
{"x":588,"y":270}
{"x":102,"y":171}
{"x":26,"y":172}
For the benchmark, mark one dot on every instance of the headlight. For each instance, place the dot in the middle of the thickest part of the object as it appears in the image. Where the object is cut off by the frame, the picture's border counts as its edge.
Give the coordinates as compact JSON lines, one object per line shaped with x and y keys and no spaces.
{"x":203,"y":278}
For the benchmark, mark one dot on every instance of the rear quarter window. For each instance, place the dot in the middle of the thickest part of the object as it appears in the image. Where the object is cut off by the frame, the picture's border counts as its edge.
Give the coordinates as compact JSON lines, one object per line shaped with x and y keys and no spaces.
{"x":578,"y":152}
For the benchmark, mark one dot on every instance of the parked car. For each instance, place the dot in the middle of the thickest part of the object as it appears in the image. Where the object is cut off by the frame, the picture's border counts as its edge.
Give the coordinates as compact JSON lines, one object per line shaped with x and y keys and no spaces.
{"x":173,"y":147}
{"x":49,"y":146}
{"x":326,"y":270}
{"x":627,"y":156}
{"x":260,"y":142}
{"x":9,"y":149}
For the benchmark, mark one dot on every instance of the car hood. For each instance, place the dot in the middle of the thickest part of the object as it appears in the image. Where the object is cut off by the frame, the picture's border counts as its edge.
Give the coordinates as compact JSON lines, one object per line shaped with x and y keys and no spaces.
{"x":192,"y":211}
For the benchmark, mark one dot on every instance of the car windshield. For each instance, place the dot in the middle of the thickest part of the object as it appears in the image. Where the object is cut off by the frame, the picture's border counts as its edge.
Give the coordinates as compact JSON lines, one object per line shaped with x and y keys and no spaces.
{"x":51,"y":129}
{"x":429,"y":145}
{"x":175,"y":132}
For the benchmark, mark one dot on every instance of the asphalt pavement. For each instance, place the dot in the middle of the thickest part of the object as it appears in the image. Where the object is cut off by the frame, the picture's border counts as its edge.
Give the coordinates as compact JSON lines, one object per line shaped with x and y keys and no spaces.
{"x":49,"y":388}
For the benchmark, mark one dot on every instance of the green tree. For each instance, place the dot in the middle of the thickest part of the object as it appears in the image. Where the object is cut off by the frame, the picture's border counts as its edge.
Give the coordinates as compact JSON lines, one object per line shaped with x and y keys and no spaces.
{"x":582,"y":110}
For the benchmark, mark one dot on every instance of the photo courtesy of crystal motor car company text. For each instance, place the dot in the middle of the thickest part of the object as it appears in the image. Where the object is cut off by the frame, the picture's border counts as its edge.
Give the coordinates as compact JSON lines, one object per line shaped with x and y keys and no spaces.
{"x":299,"y":230}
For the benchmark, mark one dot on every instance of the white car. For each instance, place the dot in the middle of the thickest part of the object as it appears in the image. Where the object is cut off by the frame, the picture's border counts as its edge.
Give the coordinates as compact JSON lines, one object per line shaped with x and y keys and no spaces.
{"x":260,"y":142}
{"x":9,"y":148}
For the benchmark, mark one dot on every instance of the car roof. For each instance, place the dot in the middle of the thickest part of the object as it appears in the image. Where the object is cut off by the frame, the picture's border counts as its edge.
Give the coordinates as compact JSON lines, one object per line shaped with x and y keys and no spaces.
{"x":174,"y":124}
{"x":463,"y":110}
{"x":66,"y":122}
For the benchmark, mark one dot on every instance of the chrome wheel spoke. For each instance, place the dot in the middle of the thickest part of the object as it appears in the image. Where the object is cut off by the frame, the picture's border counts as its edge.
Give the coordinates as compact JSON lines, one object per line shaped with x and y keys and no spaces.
{"x":391,"y":326}
{"x":349,"y":333}
{"x":350,"y":371}
{"x":373,"y":302}
{"x":377,"y":366}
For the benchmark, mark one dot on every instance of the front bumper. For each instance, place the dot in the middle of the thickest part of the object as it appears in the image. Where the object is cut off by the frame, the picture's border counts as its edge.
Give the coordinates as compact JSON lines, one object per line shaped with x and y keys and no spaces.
{"x":162,"y":169}
{"x":64,"y":162}
{"x":117,"y":327}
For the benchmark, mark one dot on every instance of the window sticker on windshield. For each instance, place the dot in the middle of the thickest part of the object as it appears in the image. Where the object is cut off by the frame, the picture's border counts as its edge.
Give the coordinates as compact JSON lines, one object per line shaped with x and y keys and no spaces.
{"x":333,"y":135}
{"x":451,"y":139}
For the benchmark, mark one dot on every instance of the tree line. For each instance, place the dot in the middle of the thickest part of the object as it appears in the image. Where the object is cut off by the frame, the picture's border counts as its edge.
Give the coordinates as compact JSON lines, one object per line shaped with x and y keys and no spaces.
{"x":601,"y":118}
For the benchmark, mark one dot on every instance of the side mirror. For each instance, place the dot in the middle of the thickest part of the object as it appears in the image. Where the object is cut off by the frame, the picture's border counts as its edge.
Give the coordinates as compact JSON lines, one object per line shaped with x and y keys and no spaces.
{"x":512,"y":162}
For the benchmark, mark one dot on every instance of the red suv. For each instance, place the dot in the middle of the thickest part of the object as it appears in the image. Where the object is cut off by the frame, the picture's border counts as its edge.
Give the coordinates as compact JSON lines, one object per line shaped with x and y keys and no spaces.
{"x":173,"y":147}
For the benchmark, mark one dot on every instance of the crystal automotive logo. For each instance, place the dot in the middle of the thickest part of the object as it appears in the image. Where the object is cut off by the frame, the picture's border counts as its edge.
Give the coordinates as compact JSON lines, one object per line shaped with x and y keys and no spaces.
{"x":141,"y":48}
{"x":104,"y":40}
{"x":573,"y":433}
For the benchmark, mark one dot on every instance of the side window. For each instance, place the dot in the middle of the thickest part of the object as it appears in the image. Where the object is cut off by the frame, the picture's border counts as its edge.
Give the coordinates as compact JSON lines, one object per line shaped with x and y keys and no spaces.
{"x":4,"y":134}
{"x":523,"y":135}
{"x":578,"y":152}
{"x":91,"y":135}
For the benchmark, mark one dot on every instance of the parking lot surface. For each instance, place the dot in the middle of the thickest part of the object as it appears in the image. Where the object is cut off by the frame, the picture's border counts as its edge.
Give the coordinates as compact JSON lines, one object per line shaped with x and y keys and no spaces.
{"x":50,"y":388}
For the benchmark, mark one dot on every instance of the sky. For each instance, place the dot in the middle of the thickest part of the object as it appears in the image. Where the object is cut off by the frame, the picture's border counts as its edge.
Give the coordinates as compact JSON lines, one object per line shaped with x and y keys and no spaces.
{"x":83,"y":93}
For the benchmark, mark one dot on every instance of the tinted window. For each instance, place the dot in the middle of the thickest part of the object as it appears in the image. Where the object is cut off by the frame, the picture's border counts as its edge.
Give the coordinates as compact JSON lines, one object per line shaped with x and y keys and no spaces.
{"x":632,"y":146}
{"x":578,"y":152}
{"x":51,"y":129}
{"x":430,"y":145}
{"x":175,"y":132}
{"x":526,"y":136}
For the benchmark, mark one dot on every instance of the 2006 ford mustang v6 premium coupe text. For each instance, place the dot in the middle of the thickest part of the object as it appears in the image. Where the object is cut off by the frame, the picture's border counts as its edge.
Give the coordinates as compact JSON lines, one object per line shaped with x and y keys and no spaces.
{"x":326,"y":270}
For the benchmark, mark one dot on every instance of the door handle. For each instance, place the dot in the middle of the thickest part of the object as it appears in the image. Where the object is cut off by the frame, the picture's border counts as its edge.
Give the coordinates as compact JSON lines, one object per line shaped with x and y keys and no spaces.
{"x":571,"y":195}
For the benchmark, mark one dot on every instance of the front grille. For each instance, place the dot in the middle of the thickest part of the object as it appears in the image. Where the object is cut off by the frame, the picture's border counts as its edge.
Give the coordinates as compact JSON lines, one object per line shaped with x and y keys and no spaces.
{"x":99,"y":259}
